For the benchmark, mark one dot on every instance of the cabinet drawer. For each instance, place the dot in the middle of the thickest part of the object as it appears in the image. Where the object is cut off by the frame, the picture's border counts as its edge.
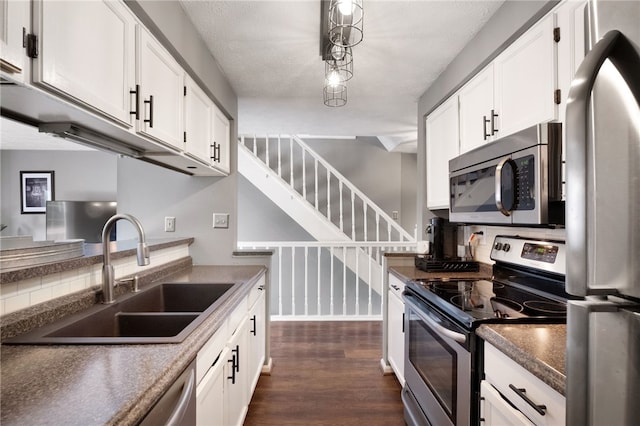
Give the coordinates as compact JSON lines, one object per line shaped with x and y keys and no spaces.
{"x":210,"y":351}
{"x":396,"y":285}
{"x":501,"y":371}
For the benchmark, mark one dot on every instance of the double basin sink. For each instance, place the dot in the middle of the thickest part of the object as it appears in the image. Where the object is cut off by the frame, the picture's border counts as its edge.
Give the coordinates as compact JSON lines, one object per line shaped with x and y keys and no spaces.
{"x":164,"y":313}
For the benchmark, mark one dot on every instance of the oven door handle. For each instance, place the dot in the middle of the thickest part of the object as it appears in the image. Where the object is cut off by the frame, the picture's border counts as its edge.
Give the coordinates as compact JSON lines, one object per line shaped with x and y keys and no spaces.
{"x":434,"y":323}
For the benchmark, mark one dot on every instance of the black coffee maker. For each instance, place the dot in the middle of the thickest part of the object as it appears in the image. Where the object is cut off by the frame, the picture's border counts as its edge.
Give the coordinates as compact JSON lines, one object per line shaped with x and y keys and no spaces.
{"x":442,"y":238}
{"x":441,"y":255}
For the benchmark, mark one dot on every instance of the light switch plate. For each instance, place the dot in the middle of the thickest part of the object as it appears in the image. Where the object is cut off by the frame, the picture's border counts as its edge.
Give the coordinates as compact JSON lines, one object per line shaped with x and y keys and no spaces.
{"x":221,"y":220}
{"x":169,"y":224}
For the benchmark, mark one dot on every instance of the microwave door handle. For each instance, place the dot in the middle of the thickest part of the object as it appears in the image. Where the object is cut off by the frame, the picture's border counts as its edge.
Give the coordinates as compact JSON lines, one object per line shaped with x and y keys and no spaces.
{"x":500,"y":204}
{"x":621,"y":52}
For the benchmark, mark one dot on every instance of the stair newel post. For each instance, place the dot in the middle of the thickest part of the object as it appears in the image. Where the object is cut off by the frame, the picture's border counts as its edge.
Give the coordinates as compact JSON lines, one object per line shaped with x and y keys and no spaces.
{"x":318,"y":253}
{"x":370,"y":275}
{"x":279,"y":157}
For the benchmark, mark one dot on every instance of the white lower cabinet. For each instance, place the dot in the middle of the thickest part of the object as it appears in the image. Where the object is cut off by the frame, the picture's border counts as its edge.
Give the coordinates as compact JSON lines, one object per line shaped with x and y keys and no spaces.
{"x":229,"y":364}
{"x":395,"y":327}
{"x":512,"y":395}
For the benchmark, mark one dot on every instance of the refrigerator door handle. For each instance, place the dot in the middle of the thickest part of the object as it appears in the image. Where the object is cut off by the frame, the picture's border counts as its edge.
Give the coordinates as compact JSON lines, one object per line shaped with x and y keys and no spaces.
{"x":619,"y":50}
{"x":578,"y":361}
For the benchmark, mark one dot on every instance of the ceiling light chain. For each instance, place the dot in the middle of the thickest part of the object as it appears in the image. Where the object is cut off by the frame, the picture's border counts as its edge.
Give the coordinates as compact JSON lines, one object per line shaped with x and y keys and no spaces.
{"x":344,"y":30}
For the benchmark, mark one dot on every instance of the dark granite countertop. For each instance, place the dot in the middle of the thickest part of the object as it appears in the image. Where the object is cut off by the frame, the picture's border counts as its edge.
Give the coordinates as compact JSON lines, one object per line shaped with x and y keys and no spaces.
{"x":539,"y":348}
{"x":107,"y":384}
{"x":412,"y":273}
{"x":92,"y":255}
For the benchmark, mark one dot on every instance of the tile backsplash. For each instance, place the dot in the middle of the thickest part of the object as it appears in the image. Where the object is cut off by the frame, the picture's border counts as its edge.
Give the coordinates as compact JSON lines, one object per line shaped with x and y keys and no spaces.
{"x":23,"y":294}
{"x":482,"y":249}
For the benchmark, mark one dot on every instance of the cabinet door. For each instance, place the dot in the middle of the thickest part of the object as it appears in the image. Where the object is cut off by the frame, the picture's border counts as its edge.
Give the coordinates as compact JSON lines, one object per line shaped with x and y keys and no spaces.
{"x":198,"y":121}
{"x":210,"y":394}
{"x":495,"y":411}
{"x":475,"y":103}
{"x":14,"y":22}
{"x":395,"y":332}
{"x":236,"y":383}
{"x":256,"y":338}
{"x":442,"y":145}
{"x":87,"y":52}
{"x":525,"y":80}
{"x":221,"y":137}
{"x":161,"y":90}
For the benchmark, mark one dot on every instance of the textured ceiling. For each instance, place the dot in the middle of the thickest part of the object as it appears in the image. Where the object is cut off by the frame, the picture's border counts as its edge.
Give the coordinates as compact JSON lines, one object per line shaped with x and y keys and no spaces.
{"x":269,"y":51}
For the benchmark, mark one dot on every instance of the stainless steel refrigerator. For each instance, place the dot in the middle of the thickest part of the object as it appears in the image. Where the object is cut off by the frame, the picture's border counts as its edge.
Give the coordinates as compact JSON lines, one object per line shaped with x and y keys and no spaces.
{"x":67,"y":220}
{"x":603,"y":221}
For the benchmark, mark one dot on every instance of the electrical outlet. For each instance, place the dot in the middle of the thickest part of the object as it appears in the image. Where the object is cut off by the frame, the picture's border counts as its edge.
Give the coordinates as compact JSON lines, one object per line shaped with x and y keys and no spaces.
{"x":169,"y":224}
{"x":221,"y":220}
{"x":481,"y":238}
{"x":394,"y":215}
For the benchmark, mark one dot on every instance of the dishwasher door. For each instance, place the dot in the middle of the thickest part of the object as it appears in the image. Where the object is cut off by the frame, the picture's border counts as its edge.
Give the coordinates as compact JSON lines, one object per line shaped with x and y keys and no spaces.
{"x":177,"y":407}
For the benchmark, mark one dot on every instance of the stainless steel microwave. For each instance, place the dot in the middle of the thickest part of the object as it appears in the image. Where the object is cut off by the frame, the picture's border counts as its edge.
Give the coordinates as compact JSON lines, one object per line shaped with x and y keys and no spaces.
{"x":516,"y":180}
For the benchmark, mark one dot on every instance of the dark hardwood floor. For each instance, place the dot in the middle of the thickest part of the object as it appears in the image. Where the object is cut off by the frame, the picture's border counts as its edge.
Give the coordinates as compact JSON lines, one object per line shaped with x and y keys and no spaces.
{"x":326,"y":373}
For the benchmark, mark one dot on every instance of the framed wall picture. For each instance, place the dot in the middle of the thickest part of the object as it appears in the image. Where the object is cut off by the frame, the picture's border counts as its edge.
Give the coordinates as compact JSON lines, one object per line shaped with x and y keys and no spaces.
{"x":36,"y":188}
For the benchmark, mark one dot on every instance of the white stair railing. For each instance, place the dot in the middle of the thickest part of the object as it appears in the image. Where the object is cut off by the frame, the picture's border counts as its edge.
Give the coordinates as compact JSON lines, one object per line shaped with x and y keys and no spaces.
{"x":327,"y":280}
{"x":324,"y":188}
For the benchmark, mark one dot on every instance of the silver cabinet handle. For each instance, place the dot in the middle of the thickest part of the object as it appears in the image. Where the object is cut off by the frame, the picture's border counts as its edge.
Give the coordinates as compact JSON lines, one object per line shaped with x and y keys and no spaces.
{"x":183,"y":402}
{"x":617,"y":48}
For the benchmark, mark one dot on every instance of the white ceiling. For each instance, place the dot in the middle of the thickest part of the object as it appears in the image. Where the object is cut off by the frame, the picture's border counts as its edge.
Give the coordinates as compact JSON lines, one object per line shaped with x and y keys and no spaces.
{"x":269,"y":52}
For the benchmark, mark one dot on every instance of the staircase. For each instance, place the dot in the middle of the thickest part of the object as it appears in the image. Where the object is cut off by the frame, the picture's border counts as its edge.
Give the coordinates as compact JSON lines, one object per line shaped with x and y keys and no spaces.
{"x":338,"y":215}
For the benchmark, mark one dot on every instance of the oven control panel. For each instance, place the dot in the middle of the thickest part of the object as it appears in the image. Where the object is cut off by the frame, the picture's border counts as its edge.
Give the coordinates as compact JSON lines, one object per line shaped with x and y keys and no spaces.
{"x":545,"y":255}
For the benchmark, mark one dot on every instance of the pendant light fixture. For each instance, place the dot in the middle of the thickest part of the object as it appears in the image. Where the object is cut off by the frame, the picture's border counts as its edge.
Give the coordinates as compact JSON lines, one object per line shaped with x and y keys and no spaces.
{"x":345,"y":22}
{"x":341,"y":29}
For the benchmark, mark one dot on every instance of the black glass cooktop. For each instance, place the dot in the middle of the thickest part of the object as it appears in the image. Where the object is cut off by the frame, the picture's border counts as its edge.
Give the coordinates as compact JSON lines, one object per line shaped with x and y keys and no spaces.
{"x":471,"y":302}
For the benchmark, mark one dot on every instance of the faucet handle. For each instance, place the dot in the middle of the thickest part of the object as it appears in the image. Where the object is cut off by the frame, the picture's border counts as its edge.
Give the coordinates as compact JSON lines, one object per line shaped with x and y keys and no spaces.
{"x":134,"y":283}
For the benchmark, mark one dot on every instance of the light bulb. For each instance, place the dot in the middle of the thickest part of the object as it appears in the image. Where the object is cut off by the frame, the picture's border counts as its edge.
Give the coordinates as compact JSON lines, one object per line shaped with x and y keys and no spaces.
{"x":345,"y":7}
{"x":337,"y":52}
{"x":334,"y":78}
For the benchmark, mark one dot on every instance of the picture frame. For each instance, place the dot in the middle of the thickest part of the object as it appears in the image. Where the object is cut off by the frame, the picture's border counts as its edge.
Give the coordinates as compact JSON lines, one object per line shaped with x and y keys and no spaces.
{"x":36,"y":188}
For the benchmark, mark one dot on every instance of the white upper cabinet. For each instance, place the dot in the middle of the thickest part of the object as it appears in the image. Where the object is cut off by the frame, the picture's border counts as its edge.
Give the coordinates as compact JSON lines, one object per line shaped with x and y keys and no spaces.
{"x":221,"y":141}
{"x":161,"y":92}
{"x":198,"y":121}
{"x":14,"y":25}
{"x":87,"y":52}
{"x":442,"y":145}
{"x":525,"y":80}
{"x":476,"y":106}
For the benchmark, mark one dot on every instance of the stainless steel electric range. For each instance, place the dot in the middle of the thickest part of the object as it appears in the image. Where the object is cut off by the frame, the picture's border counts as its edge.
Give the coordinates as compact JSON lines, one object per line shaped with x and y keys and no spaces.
{"x":443,"y":357}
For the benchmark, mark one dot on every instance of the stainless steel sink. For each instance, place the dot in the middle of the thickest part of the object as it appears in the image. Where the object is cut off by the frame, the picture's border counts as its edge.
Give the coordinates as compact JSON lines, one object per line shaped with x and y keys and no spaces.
{"x":165,"y":313}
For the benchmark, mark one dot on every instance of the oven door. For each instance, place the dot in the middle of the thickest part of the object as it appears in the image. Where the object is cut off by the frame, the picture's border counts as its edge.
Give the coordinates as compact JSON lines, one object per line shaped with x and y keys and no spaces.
{"x":437,"y":365}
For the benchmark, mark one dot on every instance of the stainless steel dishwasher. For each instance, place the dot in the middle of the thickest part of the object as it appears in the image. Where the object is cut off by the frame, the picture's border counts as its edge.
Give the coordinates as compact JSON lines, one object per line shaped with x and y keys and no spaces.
{"x":177,"y":407}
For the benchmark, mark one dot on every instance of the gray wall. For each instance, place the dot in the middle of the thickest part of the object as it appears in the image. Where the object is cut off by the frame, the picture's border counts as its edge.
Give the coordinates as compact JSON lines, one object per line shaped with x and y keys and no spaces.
{"x":509,"y":22}
{"x":79,"y":175}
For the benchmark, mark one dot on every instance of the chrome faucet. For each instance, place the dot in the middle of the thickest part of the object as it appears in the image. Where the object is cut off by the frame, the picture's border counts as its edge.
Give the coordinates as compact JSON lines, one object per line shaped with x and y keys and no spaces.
{"x":108,"y":280}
